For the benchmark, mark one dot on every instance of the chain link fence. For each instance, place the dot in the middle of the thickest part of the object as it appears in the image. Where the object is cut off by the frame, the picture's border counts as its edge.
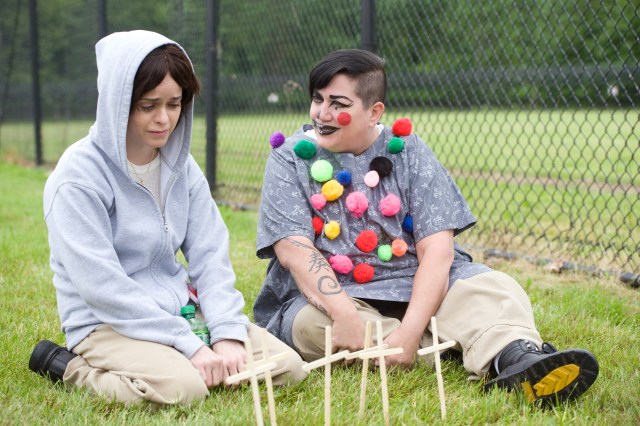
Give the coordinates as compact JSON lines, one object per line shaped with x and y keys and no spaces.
{"x":532,"y":106}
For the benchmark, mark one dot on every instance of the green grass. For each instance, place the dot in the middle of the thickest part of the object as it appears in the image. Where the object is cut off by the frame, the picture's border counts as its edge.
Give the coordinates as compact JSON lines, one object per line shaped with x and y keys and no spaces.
{"x":571,"y":310}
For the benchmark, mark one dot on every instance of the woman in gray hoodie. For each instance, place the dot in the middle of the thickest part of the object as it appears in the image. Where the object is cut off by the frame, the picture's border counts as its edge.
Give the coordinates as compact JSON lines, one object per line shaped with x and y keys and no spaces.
{"x":120,"y":205}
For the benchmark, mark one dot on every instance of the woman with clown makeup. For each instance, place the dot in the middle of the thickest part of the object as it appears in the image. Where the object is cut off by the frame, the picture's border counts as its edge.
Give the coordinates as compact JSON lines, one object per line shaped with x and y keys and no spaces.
{"x":359,"y":221}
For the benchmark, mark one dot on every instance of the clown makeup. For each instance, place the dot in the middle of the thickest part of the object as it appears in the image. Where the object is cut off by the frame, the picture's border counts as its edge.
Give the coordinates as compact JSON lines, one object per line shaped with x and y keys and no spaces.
{"x":342,"y":122}
{"x":336,"y":103}
{"x":344,"y":118}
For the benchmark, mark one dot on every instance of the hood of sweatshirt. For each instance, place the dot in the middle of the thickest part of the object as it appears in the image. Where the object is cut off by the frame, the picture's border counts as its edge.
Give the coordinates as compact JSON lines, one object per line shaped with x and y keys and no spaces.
{"x":119,"y":56}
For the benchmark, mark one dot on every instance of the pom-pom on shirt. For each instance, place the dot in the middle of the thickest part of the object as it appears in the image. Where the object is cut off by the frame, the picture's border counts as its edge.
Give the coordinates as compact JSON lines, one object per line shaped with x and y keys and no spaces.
{"x":428,"y":198}
{"x":276,"y":140}
{"x":402,"y":127}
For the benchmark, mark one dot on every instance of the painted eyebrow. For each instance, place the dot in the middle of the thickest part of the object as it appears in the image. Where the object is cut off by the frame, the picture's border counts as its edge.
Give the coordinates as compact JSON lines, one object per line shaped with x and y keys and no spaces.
{"x":334,"y":98}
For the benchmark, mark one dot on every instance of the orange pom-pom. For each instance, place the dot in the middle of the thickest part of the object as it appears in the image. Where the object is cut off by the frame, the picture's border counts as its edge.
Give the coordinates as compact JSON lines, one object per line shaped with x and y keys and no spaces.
{"x":399,"y":247}
{"x":402,"y":127}
{"x":363,"y":273}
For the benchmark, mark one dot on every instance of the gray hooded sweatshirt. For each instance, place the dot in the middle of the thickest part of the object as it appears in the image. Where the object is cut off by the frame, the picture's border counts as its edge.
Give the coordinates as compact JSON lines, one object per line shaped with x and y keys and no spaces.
{"x":113,"y":248}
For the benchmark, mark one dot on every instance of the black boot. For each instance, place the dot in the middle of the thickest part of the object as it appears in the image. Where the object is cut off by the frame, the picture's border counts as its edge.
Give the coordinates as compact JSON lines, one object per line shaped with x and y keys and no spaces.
{"x":50,"y":360}
{"x":545,"y":375}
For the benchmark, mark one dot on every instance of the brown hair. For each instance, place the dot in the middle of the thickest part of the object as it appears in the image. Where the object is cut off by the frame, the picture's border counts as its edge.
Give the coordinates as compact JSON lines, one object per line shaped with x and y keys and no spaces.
{"x":163,"y":60}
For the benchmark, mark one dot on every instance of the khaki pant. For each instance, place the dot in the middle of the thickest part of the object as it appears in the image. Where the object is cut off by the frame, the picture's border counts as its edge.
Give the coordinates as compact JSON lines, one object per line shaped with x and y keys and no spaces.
{"x":482,"y":314}
{"x":130,"y":370}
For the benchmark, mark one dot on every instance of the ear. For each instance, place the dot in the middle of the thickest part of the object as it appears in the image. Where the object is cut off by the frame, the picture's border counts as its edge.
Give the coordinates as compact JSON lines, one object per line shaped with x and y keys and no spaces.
{"x":377,"y":109}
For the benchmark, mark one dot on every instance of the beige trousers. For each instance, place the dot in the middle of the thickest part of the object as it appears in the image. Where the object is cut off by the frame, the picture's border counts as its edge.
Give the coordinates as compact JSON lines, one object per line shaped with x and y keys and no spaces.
{"x":130,"y":371}
{"x":482,"y":314}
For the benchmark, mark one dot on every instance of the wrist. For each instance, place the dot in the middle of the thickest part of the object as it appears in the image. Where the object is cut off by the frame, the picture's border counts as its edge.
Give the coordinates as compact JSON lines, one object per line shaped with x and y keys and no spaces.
{"x":349,"y":313}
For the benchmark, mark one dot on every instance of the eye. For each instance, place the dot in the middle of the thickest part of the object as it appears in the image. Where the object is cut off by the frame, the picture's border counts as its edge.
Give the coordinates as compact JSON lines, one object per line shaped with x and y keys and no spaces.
{"x":145,"y":107}
{"x":337,"y":105}
{"x":317,"y":99}
{"x":175,"y":105}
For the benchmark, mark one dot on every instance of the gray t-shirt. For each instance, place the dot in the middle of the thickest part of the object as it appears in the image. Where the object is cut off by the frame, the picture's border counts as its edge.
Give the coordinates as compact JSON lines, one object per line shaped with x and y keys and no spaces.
{"x":428,"y":198}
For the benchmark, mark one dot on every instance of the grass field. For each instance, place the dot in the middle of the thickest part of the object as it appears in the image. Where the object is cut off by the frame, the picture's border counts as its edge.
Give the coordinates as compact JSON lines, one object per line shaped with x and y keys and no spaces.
{"x":571,"y":310}
{"x":561,"y":184}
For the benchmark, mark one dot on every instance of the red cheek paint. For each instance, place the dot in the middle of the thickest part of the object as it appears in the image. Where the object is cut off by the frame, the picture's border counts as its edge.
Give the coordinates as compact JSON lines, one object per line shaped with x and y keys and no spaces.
{"x":344,"y":118}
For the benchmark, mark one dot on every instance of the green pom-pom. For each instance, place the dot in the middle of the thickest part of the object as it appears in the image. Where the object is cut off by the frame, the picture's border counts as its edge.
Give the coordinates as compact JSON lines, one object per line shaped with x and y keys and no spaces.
{"x":385,"y":253}
{"x":396,"y":145}
{"x":321,"y":170}
{"x":305,"y":149}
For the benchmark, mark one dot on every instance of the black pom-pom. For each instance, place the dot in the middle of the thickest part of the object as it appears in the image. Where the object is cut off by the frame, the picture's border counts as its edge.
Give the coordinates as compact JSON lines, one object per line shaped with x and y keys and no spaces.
{"x":382,"y":165}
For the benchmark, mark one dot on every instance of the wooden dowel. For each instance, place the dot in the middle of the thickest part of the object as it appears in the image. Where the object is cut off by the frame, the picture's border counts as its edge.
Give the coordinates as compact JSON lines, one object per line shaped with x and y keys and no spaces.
{"x":267,"y":379}
{"x":437,"y":348}
{"x":443,"y":408}
{"x":327,"y":376}
{"x":383,"y":378}
{"x":324,"y":361}
{"x":254,"y":384}
{"x":365,"y":369}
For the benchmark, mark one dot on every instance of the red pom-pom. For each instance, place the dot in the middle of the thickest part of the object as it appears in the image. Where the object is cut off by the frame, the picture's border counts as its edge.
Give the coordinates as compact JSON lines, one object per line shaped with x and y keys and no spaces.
{"x":402,"y":127}
{"x":363,"y":273}
{"x":367,"y":241}
{"x":318,"y":224}
{"x":344,"y":118}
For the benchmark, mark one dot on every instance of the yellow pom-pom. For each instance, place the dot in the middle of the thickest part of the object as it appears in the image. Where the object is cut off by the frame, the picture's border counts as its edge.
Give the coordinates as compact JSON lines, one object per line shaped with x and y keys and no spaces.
{"x":332,"y":230}
{"x":332,"y":190}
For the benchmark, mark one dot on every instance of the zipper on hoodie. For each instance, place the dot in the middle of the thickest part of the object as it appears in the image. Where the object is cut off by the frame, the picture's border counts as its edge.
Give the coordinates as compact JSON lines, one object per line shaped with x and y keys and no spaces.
{"x":172,"y":181}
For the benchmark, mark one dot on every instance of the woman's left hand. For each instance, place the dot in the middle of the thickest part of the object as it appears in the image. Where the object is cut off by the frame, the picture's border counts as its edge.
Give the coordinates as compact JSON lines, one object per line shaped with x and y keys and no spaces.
{"x":234,"y":356}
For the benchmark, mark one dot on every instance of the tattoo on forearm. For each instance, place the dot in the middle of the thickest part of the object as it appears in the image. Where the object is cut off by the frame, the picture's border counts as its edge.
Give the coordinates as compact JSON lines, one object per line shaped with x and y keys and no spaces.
{"x":328,"y":285}
{"x":310,"y":299}
{"x":317,"y":262}
{"x":318,"y":306}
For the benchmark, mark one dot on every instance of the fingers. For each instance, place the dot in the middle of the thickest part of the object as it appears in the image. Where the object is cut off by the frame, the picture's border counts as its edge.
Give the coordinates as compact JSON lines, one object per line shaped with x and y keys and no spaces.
{"x":212,"y":372}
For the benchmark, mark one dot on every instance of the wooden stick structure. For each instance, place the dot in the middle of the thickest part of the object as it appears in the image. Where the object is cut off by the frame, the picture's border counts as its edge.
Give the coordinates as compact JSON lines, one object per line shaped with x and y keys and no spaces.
{"x":435,"y":349}
{"x":379,"y":351}
{"x":254,"y":384}
{"x":326,"y":363}
{"x":267,"y":379}
{"x":365,"y":369}
{"x":251,"y":372}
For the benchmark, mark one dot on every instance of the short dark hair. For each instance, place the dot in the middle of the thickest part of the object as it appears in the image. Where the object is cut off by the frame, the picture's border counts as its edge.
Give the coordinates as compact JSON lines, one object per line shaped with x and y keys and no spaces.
{"x":363,"y":66}
{"x":163,"y":60}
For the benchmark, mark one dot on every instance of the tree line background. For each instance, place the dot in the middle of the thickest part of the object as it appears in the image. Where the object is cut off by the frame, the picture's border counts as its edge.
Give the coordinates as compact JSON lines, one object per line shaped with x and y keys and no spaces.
{"x":526,"y":53}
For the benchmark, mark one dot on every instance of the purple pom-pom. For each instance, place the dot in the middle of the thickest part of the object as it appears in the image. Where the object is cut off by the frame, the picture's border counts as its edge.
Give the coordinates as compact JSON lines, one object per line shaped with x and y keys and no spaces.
{"x":276,"y":139}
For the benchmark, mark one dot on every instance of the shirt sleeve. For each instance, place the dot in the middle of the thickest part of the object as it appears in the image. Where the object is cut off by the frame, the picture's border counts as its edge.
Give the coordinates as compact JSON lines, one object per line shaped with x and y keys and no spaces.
{"x":284,"y":209}
{"x":435,"y":201}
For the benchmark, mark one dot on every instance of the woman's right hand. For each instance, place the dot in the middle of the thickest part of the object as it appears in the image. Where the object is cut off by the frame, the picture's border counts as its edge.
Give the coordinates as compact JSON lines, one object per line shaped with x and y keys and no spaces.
{"x":348,"y":333}
{"x":210,"y":366}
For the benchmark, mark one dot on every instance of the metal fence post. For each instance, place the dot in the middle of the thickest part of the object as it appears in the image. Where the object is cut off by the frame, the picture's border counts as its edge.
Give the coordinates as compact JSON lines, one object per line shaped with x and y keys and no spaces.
{"x":35,"y":79}
{"x":211,"y":90}
{"x":102,"y":18}
{"x":368,"y":25}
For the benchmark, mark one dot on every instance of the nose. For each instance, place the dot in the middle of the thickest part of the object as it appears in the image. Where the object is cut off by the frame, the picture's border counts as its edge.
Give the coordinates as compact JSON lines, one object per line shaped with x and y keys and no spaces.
{"x":323,"y":112}
{"x":162,"y":115}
